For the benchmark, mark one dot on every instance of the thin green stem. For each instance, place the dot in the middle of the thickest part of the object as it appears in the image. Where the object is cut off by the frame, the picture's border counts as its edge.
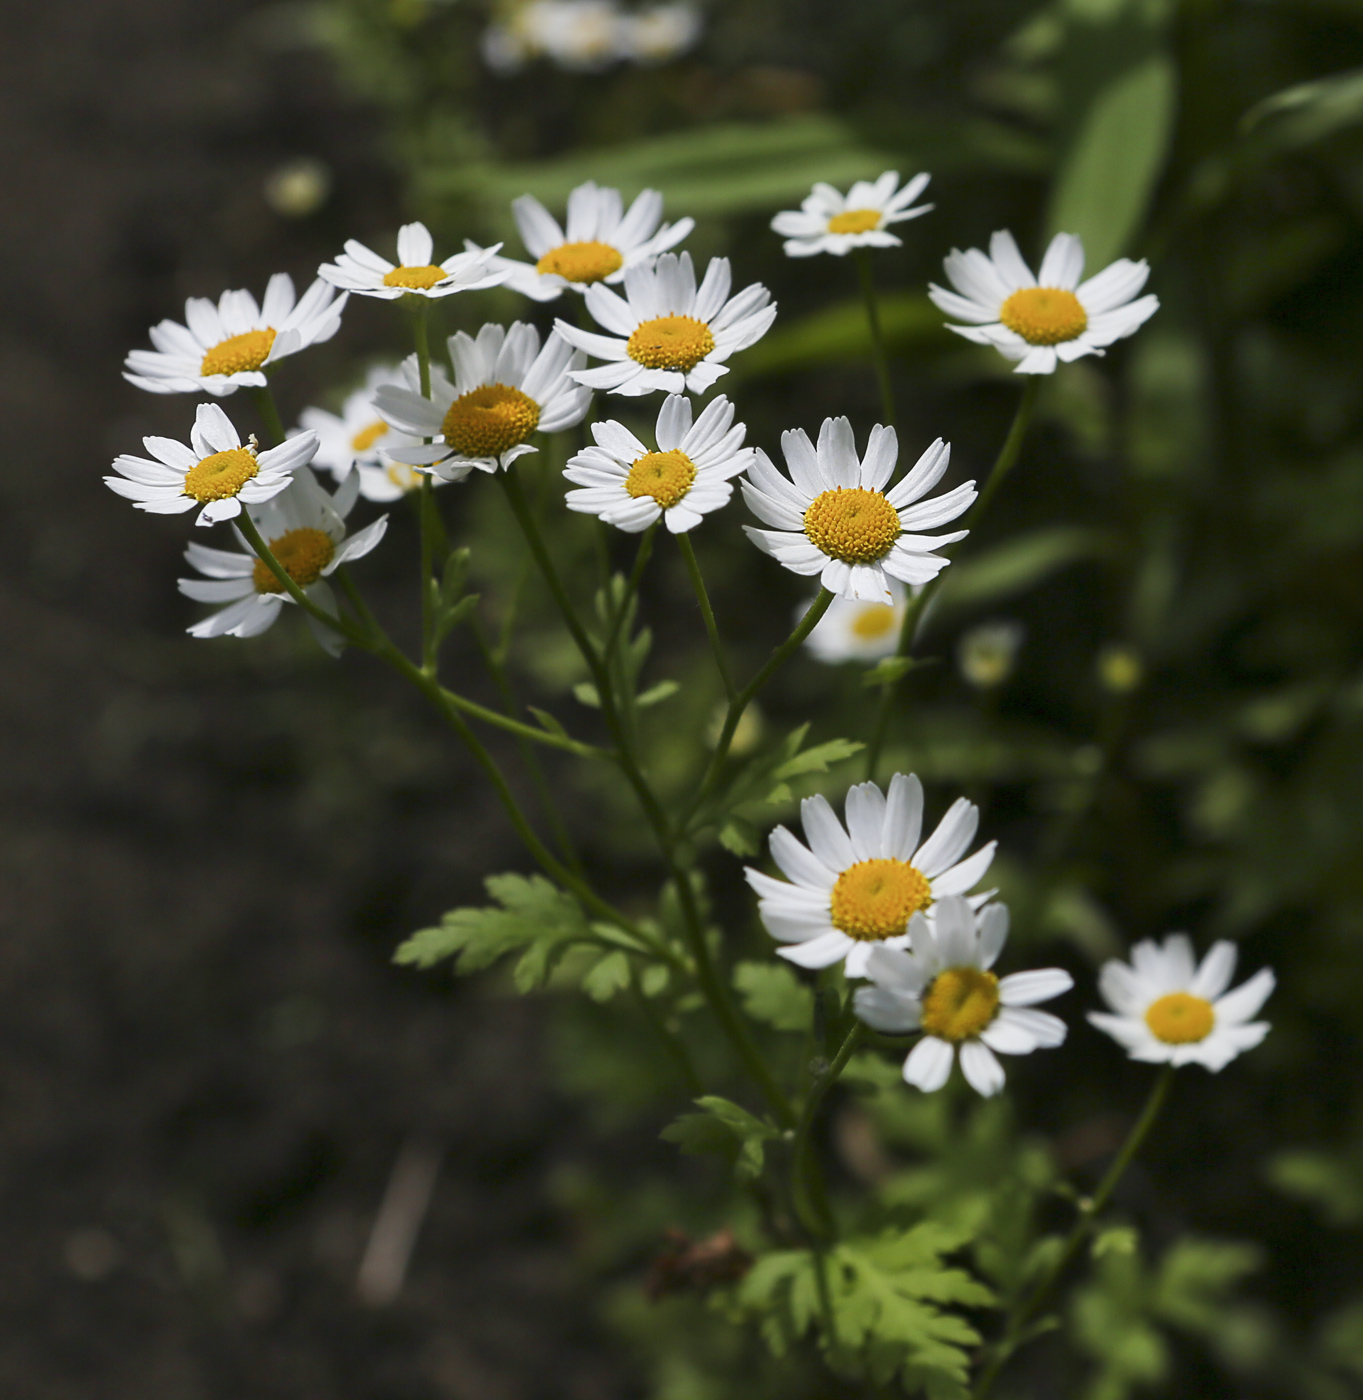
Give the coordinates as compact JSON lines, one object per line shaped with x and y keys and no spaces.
{"x":918,"y":604}
{"x":708,"y":613}
{"x":807,"y":1185}
{"x":1031,"y":1305}
{"x":631,"y":587}
{"x":269,"y":413}
{"x":882,"y":363}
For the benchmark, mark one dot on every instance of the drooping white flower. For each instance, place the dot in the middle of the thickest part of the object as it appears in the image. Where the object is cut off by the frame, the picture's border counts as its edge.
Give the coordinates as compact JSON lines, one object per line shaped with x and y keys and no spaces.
{"x":830,"y":222}
{"x":851,"y":631}
{"x":855,"y":888}
{"x":674,"y":336}
{"x":224,"y":347}
{"x":305,"y":530}
{"x":834,"y":518}
{"x":943,"y":986}
{"x":1052,"y":317}
{"x":215,"y":471}
{"x":690,"y":473}
{"x":601,"y":243}
{"x":505,"y":390}
{"x":1172,"y":1010}
{"x":360,"y":269}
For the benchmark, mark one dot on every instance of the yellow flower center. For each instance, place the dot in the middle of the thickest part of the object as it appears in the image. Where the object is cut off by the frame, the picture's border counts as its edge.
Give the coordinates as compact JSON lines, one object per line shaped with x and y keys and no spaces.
{"x":873,"y":620}
{"x":1180,"y":1018}
{"x":490,"y":420}
{"x":582,"y":262}
{"x":222,"y":475}
{"x":852,"y":524}
{"x":238,"y":354}
{"x":303,"y":554}
{"x":671,"y":342}
{"x":960,"y":1003}
{"x":666,"y":476}
{"x":1044,"y":315}
{"x":855,"y":221}
{"x":367,"y":437}
{"x":875,"y":899}
{"x":416,"y":279}
{"x":402,"y":476}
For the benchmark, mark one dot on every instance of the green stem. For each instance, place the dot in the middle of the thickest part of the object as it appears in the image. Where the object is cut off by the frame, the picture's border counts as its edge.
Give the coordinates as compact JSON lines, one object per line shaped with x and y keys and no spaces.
{"x":868,"y":295}
{"x":420,"y":309}
{"x":1090,"y":1209}
{"x":808,"y":1187}
{"x":708,"y":613}
{"x":631,"y":587}
{"x":269,"y":413}
{"x":917,"y":606}
{"x":256,"y":540}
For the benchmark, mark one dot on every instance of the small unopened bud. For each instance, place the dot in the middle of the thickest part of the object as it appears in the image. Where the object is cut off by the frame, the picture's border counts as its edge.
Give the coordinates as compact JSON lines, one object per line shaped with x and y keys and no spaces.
{"x":986,"y":653}
{"x":1119,"y":668}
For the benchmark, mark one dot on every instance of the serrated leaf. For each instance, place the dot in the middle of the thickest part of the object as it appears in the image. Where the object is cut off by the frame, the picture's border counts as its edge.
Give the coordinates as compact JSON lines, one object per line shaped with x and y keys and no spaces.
{"x":656,"y":694}
{"x":773,"y":994}
{"x":725,"y":1128}
{"x":741,"y":837}
{"x":607,"y":977}
{"x":819,"y":758}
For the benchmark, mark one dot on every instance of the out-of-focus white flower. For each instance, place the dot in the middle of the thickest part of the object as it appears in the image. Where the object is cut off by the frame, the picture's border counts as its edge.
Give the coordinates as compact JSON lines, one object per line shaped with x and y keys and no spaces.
{"x":227,"y":346}
{"x":855,"y":888}
{"x":360,"y":269}
{"x":601,"y":243}
{"x":851,"y":631}
{"x":834,"y":518}
{"x":1172,"y":1010}
{"x":945,"y":988}
{"x":1042,"y":320}
{"x":585,"y":36}
{"x":305,"y":529}
{"x":673,"y":336}
{"x":986,"y":653}
{"x":660,"y":33}
{"x":298,"y":187}
{"x":215,"y":471}
{"x":830,"y":222}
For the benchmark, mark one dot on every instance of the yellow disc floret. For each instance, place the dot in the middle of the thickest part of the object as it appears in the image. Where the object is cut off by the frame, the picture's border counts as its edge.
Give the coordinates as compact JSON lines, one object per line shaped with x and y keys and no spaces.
{"x":852,"y":524}
{"x":238,"y":354}
{"x":490,"y":420}
{"x":960,"y":1003}
{"x":671,"y":342}
{"x":855,"y":221}
{"x":582,"y":262}
{"x":404,"y":477}
{"x":222,"y":475}
{"x":875,"y":899}
{"x":415,"y":279}
{"x":873,"y":620}
{"x":1180,"y":1018}
{"x":666,"y":476}
{"x":1044,"y":315}
{"x":303,"y":555}
{"x":367,"y":437}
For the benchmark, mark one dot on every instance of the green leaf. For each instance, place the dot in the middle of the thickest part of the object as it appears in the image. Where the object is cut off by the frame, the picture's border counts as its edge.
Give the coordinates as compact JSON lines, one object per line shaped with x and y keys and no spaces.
{"x":740,"y":837}
{"x":1110,"y":171}
{"x":656,"y":694}
{"x":1333,"y":1182}
{"x":1118,"y":1239}
{"x":607,"y":977}
{"x":890,"y":668}
{"x":773,"y":994}
{"x":547,"y":721}
{"x":726,"y":1129}
{"x":1019,"y":564}
{"x":587,"y":694}
{"x":818,"y":759}
{"x":1308,"y":112}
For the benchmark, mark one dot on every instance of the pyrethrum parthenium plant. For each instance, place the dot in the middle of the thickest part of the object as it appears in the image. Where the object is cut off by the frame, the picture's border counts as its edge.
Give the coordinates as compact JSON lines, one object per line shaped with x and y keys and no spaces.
{"x":887,"y":909}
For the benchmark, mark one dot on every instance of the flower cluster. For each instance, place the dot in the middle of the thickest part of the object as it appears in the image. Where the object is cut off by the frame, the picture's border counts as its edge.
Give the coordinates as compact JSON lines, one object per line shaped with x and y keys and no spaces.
{"x":586,"y":36}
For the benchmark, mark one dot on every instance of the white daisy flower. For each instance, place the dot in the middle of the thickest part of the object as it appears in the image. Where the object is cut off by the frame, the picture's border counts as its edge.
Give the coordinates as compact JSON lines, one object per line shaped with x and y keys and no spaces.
{"x":1171,"y":1010}
{"x":305,"y":529}
{"x":829,"y":222}
{"x":505,"y":390}
{"x":676,"y":337}
{"x":225,"y":347}
{"x":630,"y":486}
{"x":856,"y":888}
{"x":601,"y":243}
{"x":834,"y":518}
{"x":215,"y":471}
{"x":660,"y":33}
{"x":359,"y":269}
{"x":1041,"y":320}
{"x":944,"y":987}
{"x":851,"y":631}
{"x":580,"y":35}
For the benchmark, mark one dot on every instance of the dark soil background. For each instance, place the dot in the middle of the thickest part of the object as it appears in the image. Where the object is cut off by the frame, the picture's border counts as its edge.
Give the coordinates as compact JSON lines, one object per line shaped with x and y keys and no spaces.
{"x":209,"y":1065}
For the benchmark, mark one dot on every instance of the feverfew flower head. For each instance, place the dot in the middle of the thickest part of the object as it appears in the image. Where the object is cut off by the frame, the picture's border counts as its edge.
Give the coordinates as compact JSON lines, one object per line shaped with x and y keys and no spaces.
{"x":851,"y":631}
{"x":855,"y":888}
{"x":305,"y":529}
{"x":674,"y":336}
{"x":582,"y":36}
{"x":660,"y":33}
{"x":834,"y":518}
{"x":361,"y":270}
{"x":506,"y":388}
{"x":215,"y":471}
{"x":829,"y":222}
{"x":1172,"y":1010}
{"x":601,"y":243}
{"x":1042,"y":320}
{"x":224,"y":347}
{"x":943,"y":986}
{"x":630,"y":486}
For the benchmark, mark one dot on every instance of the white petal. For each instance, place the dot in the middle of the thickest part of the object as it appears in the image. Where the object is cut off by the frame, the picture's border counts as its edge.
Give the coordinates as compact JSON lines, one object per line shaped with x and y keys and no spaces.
{"x":1028,"y":988}
{"x":929,"y":1064}
{"x":983,"y":1072}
